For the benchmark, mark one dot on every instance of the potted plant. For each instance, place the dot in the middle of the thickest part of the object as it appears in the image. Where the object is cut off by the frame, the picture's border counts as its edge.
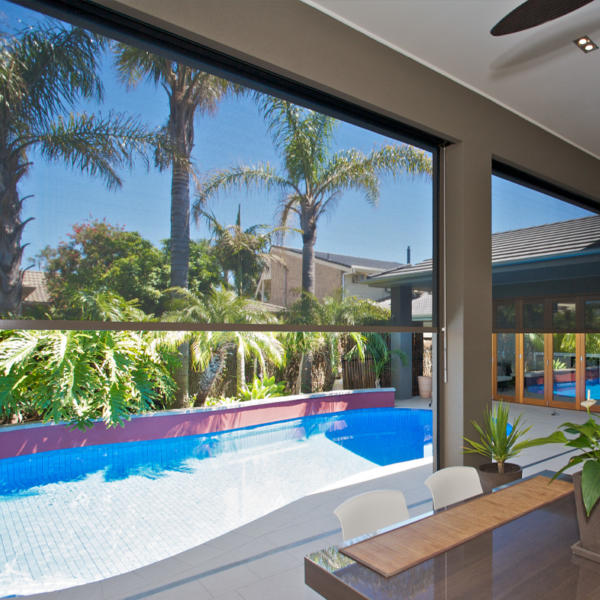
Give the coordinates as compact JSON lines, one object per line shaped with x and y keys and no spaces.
{"x":499,"y":441}
{"x":586,"y":483}
{"x":424,"y":381}
{"x":425,"y":385}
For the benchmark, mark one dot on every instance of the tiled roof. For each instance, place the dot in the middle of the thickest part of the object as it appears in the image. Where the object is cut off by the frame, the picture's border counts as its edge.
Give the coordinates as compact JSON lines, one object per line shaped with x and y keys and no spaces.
{"x":349,"y":261}
{"x":554,"y":239}
{"x":34,"y":287}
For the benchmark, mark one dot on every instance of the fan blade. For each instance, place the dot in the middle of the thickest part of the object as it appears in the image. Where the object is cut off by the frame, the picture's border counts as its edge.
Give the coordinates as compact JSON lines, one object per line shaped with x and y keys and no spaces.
{"x":535,"y":12}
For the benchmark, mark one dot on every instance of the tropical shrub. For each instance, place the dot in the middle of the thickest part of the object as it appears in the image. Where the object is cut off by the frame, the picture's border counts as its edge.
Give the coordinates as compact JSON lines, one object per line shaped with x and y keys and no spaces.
{"x":586,"y":440}
{"x":99,"y":256}
{"x":79,"y":376}
{"x":209,"y":349}
{"x":221,"y":401}
{"x":261,"y":388}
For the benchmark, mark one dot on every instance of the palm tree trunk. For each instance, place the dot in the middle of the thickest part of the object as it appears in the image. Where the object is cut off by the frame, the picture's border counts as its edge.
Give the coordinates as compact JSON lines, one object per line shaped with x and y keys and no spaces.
{"x":181,"y":123}
{"x":240,"y":367}
{"x":180,"y":259}
{"x":309,"y":238}
{"x":11,"y":250}
{"x":180,"y":226}
{"x":211,"y":373}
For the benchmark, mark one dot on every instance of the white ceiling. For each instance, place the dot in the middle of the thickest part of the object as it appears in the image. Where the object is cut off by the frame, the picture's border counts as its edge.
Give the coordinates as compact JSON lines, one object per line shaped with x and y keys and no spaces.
{"x":539,"y":73}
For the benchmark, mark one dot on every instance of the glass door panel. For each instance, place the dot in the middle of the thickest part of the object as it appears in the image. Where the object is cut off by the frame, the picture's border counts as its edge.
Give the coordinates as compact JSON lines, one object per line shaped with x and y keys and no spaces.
{"x":563,"y":316}
{"x":506,"y":315}
{"x":592,"y":315}
{"x":533,"y":315}
{"x":533,"y":366}
{"x":564,"y":361}
{"x":592,"y":366}
{"x":505,"y":372}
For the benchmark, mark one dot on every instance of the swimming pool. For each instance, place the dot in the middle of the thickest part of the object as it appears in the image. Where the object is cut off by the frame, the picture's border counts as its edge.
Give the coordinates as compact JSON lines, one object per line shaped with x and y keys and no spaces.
{"x":567,"y":389}
{"x":68,"y":517}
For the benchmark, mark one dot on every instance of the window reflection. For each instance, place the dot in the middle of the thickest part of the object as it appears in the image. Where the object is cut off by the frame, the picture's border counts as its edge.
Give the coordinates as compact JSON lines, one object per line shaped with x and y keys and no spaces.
{"x":592,"y":366}
{"x":505,"y":377}
{"x":564,"y":361}
{"x":533,"y":363}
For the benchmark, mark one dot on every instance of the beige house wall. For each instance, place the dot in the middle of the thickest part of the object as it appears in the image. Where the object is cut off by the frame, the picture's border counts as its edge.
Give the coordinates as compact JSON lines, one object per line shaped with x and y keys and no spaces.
{"x":286,"y":278}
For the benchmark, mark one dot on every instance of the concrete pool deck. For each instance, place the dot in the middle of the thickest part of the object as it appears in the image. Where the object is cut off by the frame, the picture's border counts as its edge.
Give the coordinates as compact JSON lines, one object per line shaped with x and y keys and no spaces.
{"x":265,"y":557}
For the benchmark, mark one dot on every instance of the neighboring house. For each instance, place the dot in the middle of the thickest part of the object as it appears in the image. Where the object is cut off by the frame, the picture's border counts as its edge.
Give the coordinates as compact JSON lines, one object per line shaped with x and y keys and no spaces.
{"x":558,"y":260}
{"x":35,"y":291}
{"x":281,"y":282}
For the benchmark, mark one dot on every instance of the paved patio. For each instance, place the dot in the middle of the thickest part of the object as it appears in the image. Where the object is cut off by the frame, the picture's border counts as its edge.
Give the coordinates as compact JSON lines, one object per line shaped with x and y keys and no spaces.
{"x":265,"y":558}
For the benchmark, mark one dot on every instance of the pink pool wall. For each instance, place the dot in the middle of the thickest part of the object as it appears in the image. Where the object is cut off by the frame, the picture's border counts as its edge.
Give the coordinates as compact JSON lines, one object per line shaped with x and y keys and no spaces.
{"x":30,"y":439}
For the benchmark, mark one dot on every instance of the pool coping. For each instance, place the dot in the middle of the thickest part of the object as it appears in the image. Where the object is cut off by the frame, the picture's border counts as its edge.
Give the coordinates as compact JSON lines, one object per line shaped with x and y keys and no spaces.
{"x":33,"y":438}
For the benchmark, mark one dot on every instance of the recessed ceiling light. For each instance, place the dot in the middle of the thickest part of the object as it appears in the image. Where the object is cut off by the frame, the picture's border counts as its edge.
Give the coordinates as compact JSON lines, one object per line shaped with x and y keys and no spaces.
{"x":585,"y":44}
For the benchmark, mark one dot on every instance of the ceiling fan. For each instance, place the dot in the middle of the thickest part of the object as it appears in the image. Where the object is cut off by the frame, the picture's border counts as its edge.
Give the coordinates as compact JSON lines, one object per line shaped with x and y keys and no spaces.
{"x":535,"y":12}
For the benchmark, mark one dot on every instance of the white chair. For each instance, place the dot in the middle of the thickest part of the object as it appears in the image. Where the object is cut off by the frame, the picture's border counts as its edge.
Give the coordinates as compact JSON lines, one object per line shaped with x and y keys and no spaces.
{"x":453,"y":484}
{"x":370,"y":511}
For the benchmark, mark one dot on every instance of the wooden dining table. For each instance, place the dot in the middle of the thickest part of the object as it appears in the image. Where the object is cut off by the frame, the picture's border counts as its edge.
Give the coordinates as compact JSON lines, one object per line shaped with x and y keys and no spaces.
{"x":514,"y":554}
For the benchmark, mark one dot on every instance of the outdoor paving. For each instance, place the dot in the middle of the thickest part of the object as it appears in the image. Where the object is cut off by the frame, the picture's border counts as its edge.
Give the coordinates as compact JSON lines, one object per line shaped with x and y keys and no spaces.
{"x":265,"y":557}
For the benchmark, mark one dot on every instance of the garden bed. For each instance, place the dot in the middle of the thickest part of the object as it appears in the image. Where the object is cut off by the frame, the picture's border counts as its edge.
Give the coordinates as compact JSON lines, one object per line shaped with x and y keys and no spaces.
{"x":19,"y":440}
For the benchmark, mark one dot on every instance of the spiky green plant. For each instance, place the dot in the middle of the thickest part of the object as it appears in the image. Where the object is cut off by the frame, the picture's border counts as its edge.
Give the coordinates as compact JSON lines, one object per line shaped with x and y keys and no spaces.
{"x":498,"y":441}
{"x":261,"y":388}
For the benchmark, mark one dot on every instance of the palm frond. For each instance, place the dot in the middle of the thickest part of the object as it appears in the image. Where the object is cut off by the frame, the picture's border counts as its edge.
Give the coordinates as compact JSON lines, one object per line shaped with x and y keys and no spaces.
{"x":45,"y":70}
{"x":134,"y":65}
{"x":95,"y":144}
{"x":260,"y":177}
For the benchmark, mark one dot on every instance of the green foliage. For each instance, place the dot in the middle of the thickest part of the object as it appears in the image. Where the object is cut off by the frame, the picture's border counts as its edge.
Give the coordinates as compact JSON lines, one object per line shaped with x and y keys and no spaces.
{"x":204,"y":269}
{"x":496,"y":442}
{"x":212,"y":401}
{"x":78,"y":376}
{"x":45,"y":71}
{"x":241,"y":252}
{"x":375,"y":345}
{"x":99,"y":256}
{"x":587,"y":441}
{"x":558,"y":364}
{"x":261,"y":388}
{"x":223,"y":306}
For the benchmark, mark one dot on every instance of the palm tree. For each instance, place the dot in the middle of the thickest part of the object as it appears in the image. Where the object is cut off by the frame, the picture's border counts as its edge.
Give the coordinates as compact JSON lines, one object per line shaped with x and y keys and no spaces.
{"x":209,"y":349}
{"x":243,"y":252}
{"x":190,"y":91}
{"x":313,"y":178}
{"x":44,"y":71}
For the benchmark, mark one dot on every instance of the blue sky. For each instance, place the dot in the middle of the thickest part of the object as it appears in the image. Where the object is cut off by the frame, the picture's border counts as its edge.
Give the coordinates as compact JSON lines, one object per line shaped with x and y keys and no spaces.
{"x":237,"y":135}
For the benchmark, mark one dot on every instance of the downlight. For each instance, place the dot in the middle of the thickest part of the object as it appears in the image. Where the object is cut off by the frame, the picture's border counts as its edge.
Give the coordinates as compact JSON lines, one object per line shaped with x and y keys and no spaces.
{"x":585,"y":44}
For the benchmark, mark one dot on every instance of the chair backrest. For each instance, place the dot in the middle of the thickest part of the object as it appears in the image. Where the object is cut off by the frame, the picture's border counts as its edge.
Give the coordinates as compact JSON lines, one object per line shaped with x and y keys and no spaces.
{"x":371,"y":511}
{"x":453,"y":484}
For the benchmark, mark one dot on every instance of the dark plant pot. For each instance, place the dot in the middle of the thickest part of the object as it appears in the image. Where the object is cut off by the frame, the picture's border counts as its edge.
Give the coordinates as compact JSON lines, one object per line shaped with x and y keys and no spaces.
{"x":490,"y":478}
{"x":589,"y":528}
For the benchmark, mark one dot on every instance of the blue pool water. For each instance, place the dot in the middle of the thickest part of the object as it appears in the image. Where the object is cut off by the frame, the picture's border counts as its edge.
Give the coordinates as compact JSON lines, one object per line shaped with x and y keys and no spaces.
{"x":567,"y":389}
{"x":73,"y":516}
